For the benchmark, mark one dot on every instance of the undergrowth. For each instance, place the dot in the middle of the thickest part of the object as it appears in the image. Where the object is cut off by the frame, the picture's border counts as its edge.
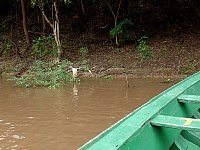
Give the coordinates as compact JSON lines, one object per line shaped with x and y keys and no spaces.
{"x":143,"y":48}
{"x":44,"y":45}
{"x":47,"y":74}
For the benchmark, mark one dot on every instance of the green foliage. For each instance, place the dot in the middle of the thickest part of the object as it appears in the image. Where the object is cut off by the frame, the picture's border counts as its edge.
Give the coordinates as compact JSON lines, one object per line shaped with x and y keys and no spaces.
{"x":33,"y":2}
{"x":120,"y":27}
{"x":67,"y":1}
{"x":43,"y":46}
{"x":144,"y":49}
{"x":47,"y":74}
{"x":7,"y":47}
{"x":83,"y":51}
{"x":109,"y":77}
{"x":123,"y":29}
{"x":8,"y":67}
{"x":85,"y":65}
{"x":116,"y":31}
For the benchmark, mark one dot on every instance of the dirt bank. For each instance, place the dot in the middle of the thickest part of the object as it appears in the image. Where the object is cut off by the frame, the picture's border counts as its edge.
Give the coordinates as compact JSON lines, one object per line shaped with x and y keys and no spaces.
{"x":173,"y":56}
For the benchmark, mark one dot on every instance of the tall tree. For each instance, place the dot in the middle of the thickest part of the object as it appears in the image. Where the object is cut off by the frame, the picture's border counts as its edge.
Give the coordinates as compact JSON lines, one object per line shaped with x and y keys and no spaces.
{"x":54,"y":25}
{"x":23,"y":2}
{"x":115,"y":16}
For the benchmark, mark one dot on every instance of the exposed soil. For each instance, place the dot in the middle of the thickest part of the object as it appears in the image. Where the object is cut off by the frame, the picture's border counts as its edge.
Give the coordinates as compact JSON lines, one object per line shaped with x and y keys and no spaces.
{"x":173,"y":56}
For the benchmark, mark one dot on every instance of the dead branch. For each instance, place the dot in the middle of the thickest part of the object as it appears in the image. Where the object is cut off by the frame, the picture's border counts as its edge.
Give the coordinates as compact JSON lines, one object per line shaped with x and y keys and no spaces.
{"x":39,"y":33}
{"x":110,"y":9}
{"x":83,"y":9}
{"x":44,"y":15}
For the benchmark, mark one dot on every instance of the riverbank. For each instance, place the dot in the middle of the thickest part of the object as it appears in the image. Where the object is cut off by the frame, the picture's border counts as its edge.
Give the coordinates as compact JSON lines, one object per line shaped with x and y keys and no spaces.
{"x":174,"y":56}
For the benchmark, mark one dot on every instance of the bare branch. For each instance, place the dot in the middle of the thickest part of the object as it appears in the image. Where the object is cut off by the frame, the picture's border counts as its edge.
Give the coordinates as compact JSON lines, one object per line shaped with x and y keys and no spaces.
{"x":118,"y":8}
{"x":110,"y":9}
{"x":44,"y":15}
{"x":83,"y":9}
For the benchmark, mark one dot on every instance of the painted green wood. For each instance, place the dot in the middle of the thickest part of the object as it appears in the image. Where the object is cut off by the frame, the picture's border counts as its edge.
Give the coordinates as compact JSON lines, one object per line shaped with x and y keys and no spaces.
{"x":189,"y":98}
{"x":177,"y":122}
{"x":174,"y":147}
{"x":192,"y":136}
{"x":135,"y":130}
{"x":197,"y":114}
{"x":184,"y":144}
{"x":187,"y":140}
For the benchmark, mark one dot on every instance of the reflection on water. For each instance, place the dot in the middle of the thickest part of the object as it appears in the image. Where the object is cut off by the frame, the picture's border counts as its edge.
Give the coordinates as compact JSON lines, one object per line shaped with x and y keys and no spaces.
{"x":75,"y":92}
{"x":65,"y":118}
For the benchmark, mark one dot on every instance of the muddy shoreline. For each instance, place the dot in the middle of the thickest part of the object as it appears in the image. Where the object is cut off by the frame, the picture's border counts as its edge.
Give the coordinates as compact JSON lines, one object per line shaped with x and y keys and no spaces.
{"x":173,"y":57}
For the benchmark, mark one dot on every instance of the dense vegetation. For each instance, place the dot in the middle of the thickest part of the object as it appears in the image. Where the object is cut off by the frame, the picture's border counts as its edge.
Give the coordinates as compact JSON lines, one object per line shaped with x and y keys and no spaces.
{"x":49,"y":29}
{"x":125,"y":20}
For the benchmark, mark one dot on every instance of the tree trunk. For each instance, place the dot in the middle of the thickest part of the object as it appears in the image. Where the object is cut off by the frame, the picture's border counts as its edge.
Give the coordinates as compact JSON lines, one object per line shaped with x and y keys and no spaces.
{"x":54,"y":26}
{"x":116,"y":37}
{"x":24,"y":24}
{"x":43,"y":24}
{"x":82,"y":6}
{"x":115,"y":16}
{"x":57,"y":33}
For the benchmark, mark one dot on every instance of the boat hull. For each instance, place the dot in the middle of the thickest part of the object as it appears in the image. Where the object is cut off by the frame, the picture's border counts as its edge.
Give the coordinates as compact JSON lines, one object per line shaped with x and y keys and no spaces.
{"x":136,"y":131}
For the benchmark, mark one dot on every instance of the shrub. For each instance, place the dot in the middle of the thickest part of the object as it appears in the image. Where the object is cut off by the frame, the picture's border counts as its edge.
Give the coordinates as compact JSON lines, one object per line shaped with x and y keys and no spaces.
{"x":43,"y":46}
{"x":144,"y":49}
{"x":7,"y":48}
{"x":84,"y":51}
{"x":47,"y":74}
{"x":122,"y":29}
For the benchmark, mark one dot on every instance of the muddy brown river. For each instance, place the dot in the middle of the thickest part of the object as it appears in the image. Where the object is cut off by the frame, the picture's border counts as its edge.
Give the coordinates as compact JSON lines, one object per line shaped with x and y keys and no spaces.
{"x":65,"y":118}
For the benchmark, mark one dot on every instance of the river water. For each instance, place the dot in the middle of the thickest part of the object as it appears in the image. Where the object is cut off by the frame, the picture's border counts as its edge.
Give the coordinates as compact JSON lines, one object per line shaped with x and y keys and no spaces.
{"x":65,"y":118}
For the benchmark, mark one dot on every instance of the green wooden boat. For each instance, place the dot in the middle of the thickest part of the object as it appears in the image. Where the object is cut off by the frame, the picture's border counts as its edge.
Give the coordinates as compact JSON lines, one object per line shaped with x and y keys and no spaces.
{"x":169,"y":121}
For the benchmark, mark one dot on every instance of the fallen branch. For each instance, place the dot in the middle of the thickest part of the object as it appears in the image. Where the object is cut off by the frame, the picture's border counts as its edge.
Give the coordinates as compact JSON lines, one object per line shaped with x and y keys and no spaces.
{"x":39,"y":33}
